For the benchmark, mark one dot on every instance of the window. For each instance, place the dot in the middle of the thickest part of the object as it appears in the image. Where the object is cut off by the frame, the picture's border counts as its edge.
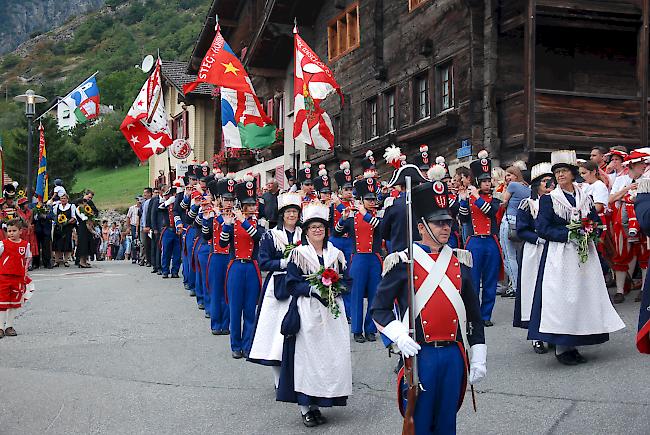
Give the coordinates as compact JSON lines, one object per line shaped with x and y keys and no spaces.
{"x":179,"y":126}
{"x":343,"y":33}
{"x":421,"y":97}
{"x":415,"y":3}
{"x":389,"y":104}
{"x":372,"y":118}
{"x":446,"y":74}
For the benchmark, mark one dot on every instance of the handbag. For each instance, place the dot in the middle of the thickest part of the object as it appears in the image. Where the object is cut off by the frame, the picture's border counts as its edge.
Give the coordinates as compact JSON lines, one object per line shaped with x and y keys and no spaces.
{"x":512,"y":232}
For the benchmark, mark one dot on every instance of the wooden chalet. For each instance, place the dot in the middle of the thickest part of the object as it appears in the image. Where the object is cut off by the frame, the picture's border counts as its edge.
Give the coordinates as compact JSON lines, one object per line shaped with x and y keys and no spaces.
{"x":517,"y":77}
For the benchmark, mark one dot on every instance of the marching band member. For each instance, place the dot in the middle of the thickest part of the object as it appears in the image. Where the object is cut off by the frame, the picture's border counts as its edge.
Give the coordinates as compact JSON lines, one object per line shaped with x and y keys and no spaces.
{"x":182,"y":211}
{"x":479,"y":209}
{"x":316,"y":362}
{"x":219,"y":258}
{"x":344,"y":200}
{"x":571,"y":306}
{"x":243,"y":278}
{"x":198,"y":249}
{"x":448,"y":322}
{"x":365,"y":267}
{"x":275,"y":248}
{"x":541,"y":183}
{"x":306,"y":179}
{"x":642,"y":207}
{"x":629,"y":241}
{"x":169,"y":238}
{"x":423,"y":160}
{"x":454,"y":205}
{"x":393,"y":229}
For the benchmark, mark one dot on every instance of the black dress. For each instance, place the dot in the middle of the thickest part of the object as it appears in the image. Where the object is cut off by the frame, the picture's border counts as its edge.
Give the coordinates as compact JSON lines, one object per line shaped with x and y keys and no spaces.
{"x":63,"y":232}
{"x":85,"y":240}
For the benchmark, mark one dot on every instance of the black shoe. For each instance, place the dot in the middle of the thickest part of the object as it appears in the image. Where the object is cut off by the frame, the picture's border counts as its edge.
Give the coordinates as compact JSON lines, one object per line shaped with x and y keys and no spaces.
{"x":237,"y":354}
{"x":309,"y":419}
{"x":225,"y":332}
{"x":207,"y":315}
{"x":153,"y":271}
{"x":349,"y":319}
{"x":487,"y":323}
{"x":165,"y":276}
{"x":370,"y":337}
{"x":175,"y":275}
{"x":538,"y":347}
{"x":618,"y":298}
{"x":508,"y":294}
{"x":578,"y":357}
{"x":216,"y":332}
{"x":320,"y":419}
{"x":245,"y":354}
{"x":159,"y":272}
{"x":359,"y":338}
{"x":567,"y":358}
{"x":201,"y":307}
{"x":192,"y":293}
{"x":187,"y":286}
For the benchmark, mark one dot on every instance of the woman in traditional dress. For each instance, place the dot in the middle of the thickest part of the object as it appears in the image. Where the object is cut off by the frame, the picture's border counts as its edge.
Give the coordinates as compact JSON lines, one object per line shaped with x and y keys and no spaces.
{"x":316,"y":365}
{"x":274,"y":253}
{"x":571,"y":306}
{"x":529,"y":256}
{"x":85,"y":239}
{"x":65,"y":221}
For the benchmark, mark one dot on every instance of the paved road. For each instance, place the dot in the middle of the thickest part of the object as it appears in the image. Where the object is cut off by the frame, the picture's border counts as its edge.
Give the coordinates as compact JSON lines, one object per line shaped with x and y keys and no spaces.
{"x":116,"y":350}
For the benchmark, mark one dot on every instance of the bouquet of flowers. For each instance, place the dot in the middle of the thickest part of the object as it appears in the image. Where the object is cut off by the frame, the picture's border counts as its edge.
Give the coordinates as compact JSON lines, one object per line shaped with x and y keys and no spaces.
{"x":61,"y":219}
{"x":88,"y":210}
{"x":41,"y":209}
{"x":328,"y":283}
{"x":581,"y":232}
{"x":288,"y":249}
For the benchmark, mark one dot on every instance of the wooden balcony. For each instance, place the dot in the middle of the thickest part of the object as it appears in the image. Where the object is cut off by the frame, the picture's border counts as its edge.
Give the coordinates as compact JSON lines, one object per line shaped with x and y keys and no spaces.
{"x":570,"y":119}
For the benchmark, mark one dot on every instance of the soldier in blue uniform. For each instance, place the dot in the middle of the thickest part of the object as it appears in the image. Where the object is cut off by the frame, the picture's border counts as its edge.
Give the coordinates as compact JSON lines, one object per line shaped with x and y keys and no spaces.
{"x":363,"y":228}
{"x":243,"y":279}
{"x":169,"y":239}
{"x":222,"y":191}
{"x":306,"y":178}
{"x":479,"y":209}
{"x":448,"y":323}
{"x":182,"y":209}
{"x":393,"y":223}
{"x":199,"y":251}
{"x":642,"y":208}
{"x":343,"y":200}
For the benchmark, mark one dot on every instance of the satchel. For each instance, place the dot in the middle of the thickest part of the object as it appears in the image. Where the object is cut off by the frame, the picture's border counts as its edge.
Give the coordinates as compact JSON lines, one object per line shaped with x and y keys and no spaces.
{"x":291,"y":322}
{"x":512,"y":232}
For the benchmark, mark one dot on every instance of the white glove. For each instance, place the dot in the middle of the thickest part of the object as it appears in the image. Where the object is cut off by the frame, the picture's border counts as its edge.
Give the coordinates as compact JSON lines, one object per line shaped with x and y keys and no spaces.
{"x":398,"y":334}
{"x":284,"y":263}
{"x":478,"y":364}
{"x":263,"y":222}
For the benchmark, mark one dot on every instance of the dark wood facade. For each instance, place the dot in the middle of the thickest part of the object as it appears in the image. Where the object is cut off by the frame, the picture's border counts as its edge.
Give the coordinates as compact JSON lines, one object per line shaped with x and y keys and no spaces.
{"x":513,"y":76}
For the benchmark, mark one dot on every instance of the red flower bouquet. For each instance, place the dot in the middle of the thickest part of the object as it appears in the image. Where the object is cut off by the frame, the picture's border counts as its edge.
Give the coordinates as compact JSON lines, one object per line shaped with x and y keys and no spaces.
{"x":581,"y":232}
{"x":327,"y":281}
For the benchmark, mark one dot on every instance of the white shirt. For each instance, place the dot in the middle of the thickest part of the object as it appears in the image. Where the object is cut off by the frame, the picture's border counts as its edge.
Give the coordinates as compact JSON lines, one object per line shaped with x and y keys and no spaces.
{"x":598,"y":192}
{"x":620,"y":183}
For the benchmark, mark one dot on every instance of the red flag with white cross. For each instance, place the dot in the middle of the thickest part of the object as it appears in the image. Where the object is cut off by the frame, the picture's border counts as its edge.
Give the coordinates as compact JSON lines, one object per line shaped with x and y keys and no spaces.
{"x":145,"y":126}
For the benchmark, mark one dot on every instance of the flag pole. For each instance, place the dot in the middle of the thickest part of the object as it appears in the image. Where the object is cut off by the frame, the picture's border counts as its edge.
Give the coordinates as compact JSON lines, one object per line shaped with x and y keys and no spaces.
{"x":59,"y":99}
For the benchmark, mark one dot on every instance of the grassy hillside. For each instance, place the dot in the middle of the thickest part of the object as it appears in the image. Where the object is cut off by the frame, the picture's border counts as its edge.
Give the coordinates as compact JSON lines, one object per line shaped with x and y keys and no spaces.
{"x":114,"y":188}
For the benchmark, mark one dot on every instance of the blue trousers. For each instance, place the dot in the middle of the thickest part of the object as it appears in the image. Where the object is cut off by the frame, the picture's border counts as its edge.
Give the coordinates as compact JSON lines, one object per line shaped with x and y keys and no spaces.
{"x":366,"y":270}
{"x":171,"y":251}
{"x":487,"y":265}
{"x":345,"y":245}
{"x":243,"y":286}
{"x":188,"y":273}
{"x":441,"y":371}
{"x":219,"y":312}
{"x":201,"y":253}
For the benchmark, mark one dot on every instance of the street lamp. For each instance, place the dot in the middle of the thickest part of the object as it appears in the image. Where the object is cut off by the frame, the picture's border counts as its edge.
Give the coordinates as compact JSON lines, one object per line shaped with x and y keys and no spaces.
{"x":30,"y":99}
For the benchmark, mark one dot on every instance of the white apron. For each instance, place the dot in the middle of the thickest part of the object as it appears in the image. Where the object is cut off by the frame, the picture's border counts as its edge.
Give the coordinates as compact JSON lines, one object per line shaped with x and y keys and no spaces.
{"x":530,"y":258}
{"x":574,"y":296}
{"x":268,"y":340}
{"x":322,"y":361}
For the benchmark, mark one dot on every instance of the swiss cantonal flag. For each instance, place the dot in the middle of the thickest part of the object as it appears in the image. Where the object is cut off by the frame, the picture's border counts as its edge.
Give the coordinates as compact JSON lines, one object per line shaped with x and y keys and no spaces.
{"x":145,"y":126}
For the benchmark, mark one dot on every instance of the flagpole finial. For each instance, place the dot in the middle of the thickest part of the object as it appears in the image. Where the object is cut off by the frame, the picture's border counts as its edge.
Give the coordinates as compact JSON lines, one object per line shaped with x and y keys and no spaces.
{"x":295,"y":25}
{"x":216,"y":22}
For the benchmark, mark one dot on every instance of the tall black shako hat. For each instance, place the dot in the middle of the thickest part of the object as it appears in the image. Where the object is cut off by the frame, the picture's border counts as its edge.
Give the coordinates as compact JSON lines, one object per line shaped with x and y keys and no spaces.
{"x":423,"y":159}
{"x":323,"y":182}
{"x":290,"y":174}
{"x":226,"y":186}
{"x":368,"y":162}
{"x":344,"y":175}
{"x":482,"y":167}
{"x":431,"y":200}
{"x":246,"y":190}
{"x":306,"y":174}
{"x":366,"y":188}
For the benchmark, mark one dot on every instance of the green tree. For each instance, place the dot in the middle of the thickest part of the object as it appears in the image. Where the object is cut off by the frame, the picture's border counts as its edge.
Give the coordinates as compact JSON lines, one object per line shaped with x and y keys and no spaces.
{"x":103,"y":145}
{"x":61,"y":154}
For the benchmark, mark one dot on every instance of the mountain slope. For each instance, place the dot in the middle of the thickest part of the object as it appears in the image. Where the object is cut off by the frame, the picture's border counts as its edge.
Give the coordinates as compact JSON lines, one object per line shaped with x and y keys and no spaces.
{"x":20,"y":19}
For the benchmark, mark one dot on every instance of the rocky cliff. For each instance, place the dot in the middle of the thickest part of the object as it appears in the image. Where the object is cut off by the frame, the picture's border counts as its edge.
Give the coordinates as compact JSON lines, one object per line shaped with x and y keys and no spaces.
{"x":22,"y":18}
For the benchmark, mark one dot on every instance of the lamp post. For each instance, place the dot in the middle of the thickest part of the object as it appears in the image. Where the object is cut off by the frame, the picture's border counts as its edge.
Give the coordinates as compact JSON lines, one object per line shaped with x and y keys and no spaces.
{"x":30,"y":99}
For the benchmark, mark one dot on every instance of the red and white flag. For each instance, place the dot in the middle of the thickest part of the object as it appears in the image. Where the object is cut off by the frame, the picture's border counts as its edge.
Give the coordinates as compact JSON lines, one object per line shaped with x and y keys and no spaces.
{"x":313,"y":82}
{"x":145,"y":126}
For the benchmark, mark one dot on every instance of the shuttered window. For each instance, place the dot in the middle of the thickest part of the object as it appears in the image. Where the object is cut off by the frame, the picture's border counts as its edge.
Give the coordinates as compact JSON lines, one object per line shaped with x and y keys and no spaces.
{"x":343,"y":33}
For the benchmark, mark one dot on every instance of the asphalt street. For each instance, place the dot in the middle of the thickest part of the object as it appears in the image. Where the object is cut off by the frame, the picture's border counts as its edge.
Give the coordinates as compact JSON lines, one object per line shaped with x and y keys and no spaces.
{"x":117,"y":350}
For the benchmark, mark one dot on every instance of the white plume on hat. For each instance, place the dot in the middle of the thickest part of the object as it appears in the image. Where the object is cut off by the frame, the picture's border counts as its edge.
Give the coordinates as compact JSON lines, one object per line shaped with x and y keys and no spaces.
{"x":392,"y":154}
{"x":344,"y":165}
{"x":230,"y":175}
{"x":369,"y":153}
{"x":322,"y":172}
{"x":289,"y":198}
{"x":424,"y":148}
{"x":483,"y":154}
{"x":436,"y":172}
{"x":369,"y":173}
{"x":249,"y":177}
{"x":15,"y":184}
{"x":315,"y":210}
{"x":440,"y":160}
{"x":306,"y":165}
